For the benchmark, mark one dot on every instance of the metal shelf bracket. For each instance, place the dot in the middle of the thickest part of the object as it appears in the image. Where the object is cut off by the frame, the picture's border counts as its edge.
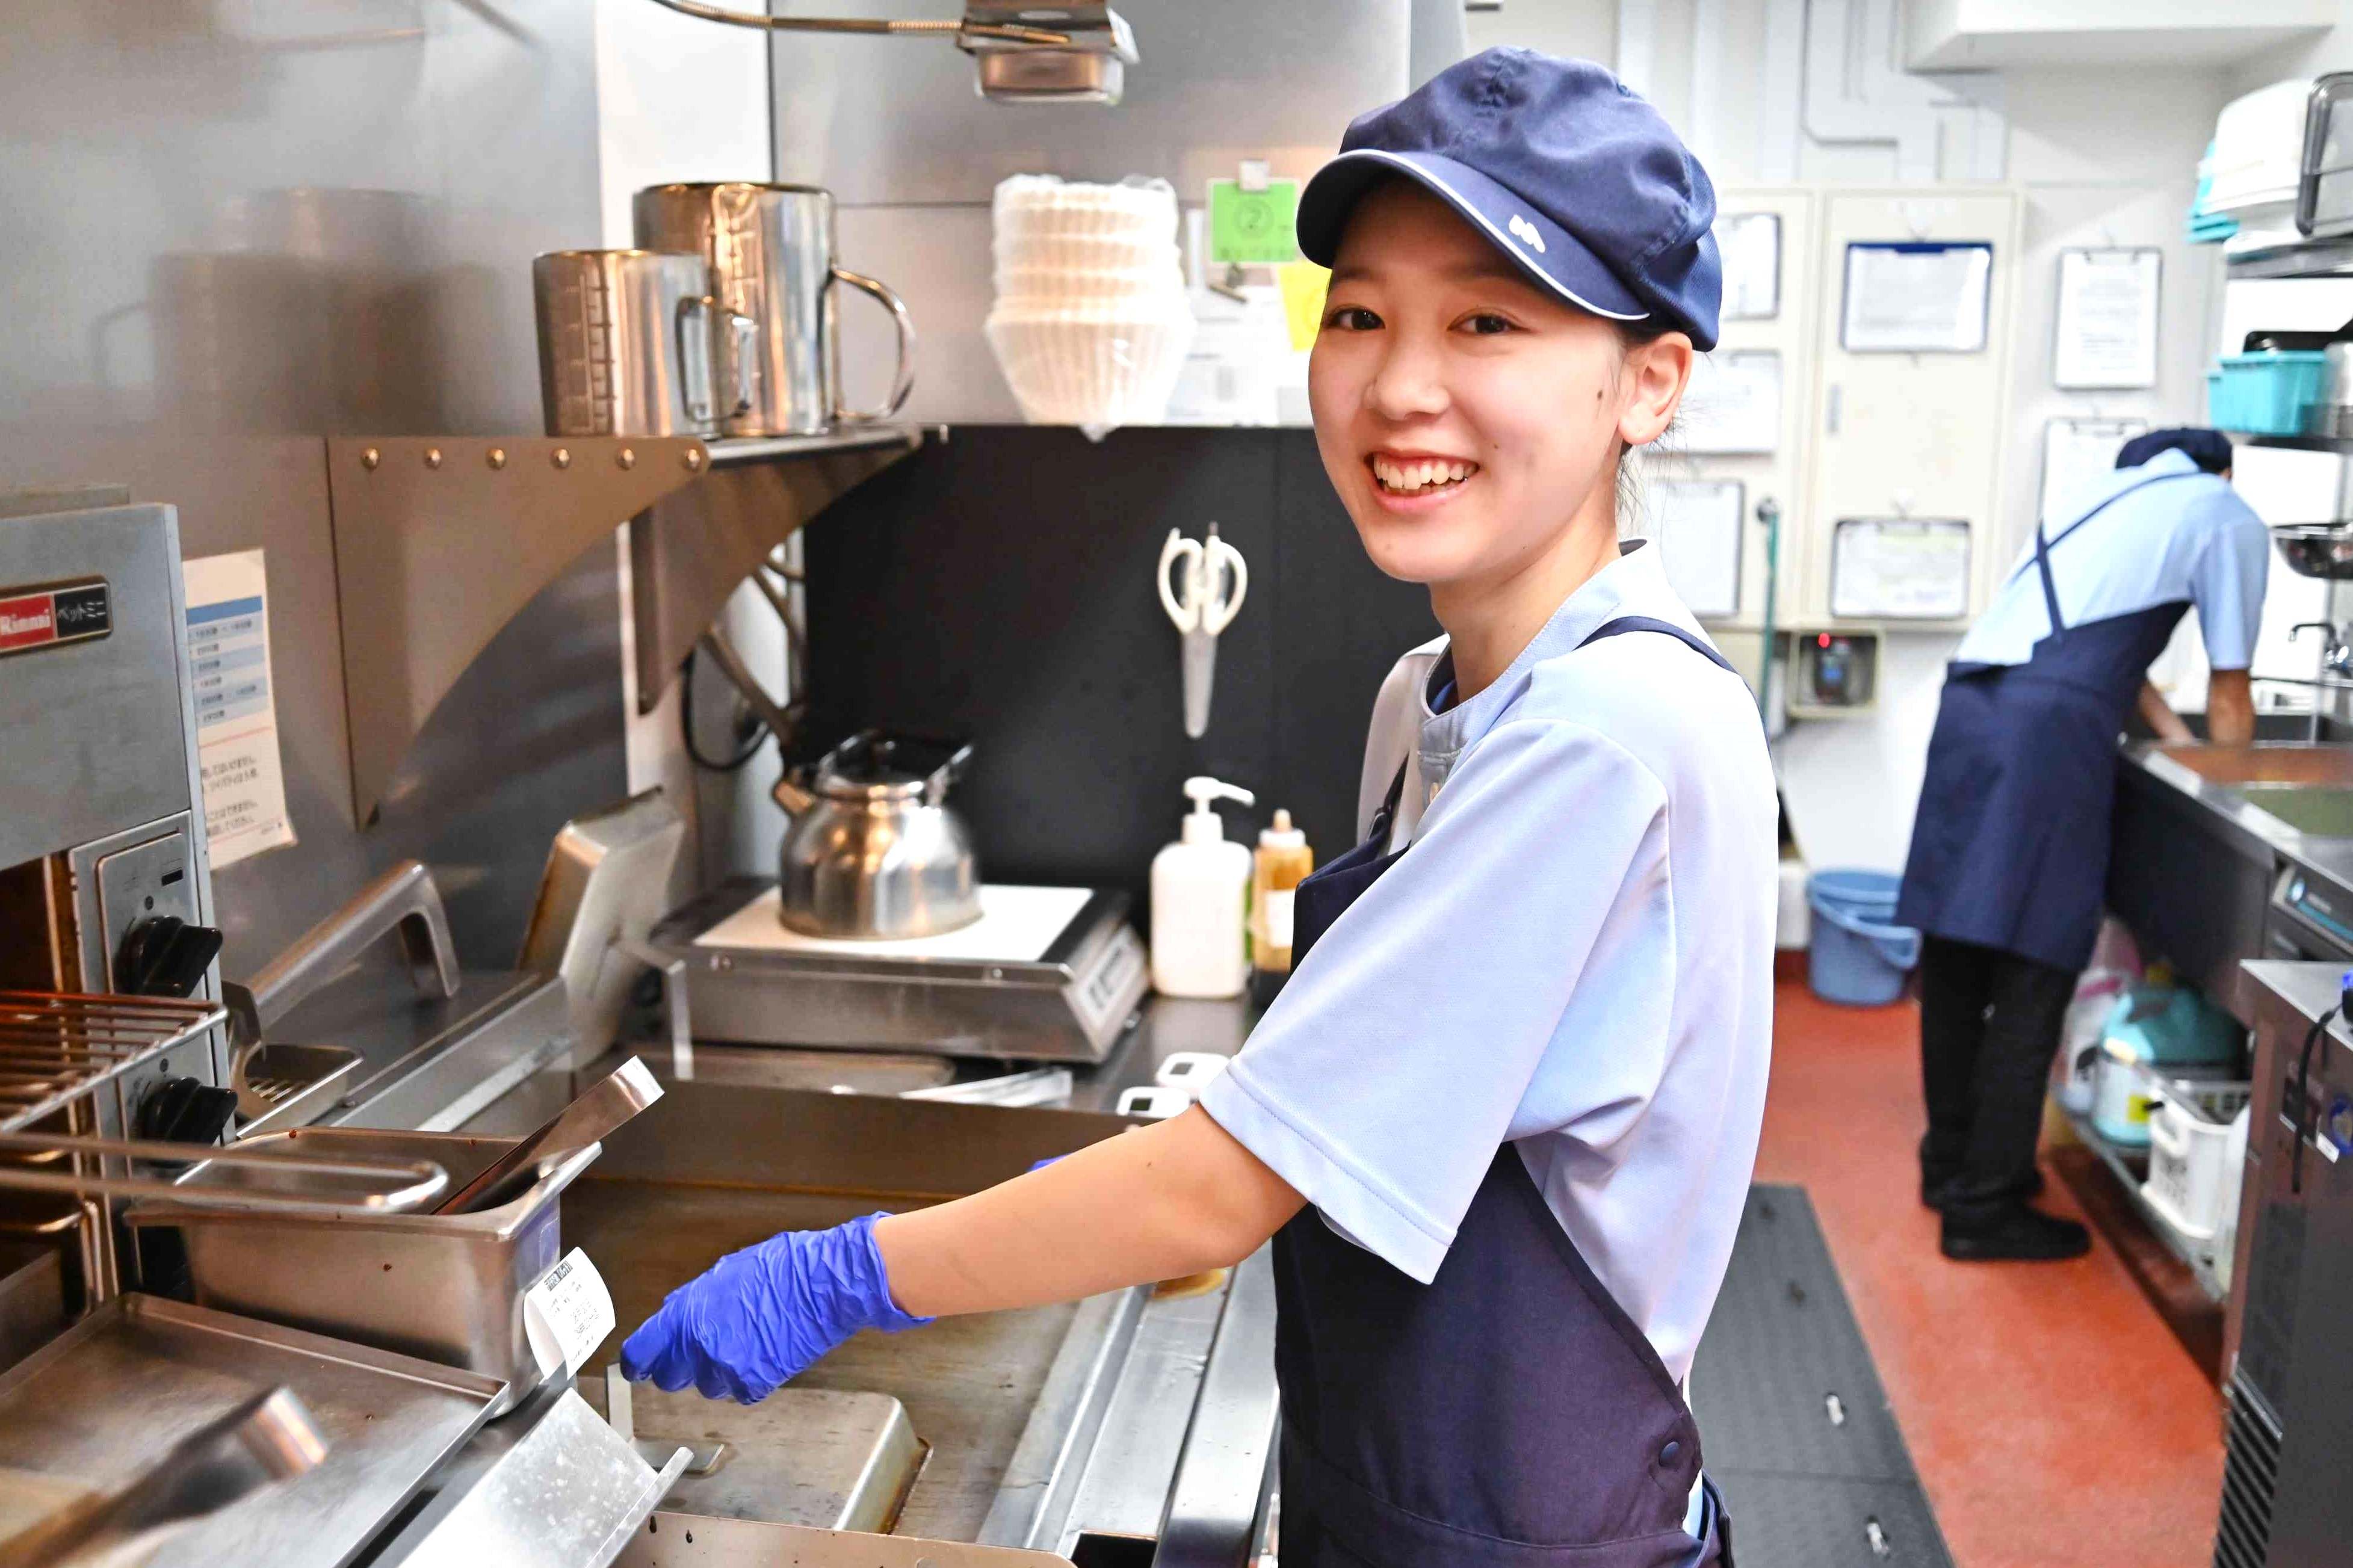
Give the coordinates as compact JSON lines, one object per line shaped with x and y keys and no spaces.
{"x":441,"y":540}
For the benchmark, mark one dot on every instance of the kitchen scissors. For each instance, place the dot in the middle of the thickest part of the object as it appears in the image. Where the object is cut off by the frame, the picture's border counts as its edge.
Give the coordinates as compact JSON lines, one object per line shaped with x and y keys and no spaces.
{"x":1202,"y":584}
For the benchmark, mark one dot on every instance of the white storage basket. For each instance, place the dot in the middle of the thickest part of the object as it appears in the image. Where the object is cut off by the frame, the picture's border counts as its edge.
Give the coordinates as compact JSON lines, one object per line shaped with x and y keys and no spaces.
{"x":2189,"y":1135}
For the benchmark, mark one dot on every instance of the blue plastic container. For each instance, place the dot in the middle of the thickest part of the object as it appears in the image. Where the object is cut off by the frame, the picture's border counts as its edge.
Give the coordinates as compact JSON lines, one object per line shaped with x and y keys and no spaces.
{"x":1858,"y":956}
{"x":2267,"y":393}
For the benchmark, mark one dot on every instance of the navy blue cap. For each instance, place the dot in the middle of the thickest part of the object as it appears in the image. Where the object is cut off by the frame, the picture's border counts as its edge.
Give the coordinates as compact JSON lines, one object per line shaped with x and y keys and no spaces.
{"x":2209,"y":449}
{"x":1570,"y":173}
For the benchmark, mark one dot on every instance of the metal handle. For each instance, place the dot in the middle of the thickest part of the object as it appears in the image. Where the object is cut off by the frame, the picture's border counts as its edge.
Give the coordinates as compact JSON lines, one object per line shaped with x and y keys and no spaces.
{"x":904,"y":382}
{"x":404,"y":899}
{"x":698,"y":388}
{"x":739,"y":367}
{"x":1010,"y":34}
{"x":424,"y":1180}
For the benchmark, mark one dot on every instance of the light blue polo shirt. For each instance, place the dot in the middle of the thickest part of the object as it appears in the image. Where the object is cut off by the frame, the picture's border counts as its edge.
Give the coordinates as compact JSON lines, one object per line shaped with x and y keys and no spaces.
{"x":2162,"y":539}
{"x":1576,"y":955}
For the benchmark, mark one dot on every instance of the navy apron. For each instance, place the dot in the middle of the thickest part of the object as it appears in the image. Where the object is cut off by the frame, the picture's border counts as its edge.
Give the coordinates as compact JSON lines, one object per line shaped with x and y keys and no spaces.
{"x":2009,"y":847}
{"x":1507,"y":1415}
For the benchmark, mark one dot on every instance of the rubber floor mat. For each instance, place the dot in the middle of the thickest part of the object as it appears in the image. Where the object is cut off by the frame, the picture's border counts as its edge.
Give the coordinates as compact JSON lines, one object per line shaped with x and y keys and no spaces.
{"x":1795,"y":1429}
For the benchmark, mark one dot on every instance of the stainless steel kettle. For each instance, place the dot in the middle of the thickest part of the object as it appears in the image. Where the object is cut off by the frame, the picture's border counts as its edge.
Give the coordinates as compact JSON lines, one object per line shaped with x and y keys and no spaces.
{"x":872,"y":851}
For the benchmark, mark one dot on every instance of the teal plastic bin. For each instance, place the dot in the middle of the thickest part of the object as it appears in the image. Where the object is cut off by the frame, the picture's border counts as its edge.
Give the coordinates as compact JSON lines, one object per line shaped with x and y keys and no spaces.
{"x":2268,"y":393}
{"x":1858,"y":955}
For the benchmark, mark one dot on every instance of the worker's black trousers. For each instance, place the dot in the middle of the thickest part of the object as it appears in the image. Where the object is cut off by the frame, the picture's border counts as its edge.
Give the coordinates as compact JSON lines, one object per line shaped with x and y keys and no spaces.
{"x":1989,"y":1024}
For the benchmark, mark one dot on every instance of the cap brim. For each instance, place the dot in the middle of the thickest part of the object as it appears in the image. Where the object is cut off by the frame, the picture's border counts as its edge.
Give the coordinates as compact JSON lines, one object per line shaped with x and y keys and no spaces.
{"x":1551,"y":256}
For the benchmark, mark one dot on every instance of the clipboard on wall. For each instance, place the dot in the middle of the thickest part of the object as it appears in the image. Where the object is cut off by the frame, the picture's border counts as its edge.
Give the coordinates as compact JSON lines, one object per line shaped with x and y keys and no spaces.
{"x":1900,"y":569}
{"x":1916,"y":297}
{"x":2105,"y":331}
{"x":1695,"y":528}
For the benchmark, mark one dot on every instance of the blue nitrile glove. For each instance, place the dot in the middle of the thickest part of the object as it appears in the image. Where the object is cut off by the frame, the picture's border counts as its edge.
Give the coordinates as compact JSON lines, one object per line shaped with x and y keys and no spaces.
{"x":759,"y":1317}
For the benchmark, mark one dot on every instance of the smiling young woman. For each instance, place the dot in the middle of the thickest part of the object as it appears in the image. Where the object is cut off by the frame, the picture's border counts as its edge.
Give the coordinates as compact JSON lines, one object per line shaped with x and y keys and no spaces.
{"x":1473,"y":422}
{"x":1500,"y":1123}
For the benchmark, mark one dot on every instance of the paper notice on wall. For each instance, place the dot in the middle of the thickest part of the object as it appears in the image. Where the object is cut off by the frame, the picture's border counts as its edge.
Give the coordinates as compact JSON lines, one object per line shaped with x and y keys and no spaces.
{"x":2078,"y":456}
{"x":1900,"y":569}
{"x":1750,"y":246}
{"x":2106,"y":335}
{"x":1734,"y":403}
{"x":1916,"y":297}
{"x":237,"y":709}
{"x":1697,"y":525}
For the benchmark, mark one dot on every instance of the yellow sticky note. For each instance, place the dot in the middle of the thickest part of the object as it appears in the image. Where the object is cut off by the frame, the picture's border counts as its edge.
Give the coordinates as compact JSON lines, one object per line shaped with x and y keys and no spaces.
{"x":1303,"y":285}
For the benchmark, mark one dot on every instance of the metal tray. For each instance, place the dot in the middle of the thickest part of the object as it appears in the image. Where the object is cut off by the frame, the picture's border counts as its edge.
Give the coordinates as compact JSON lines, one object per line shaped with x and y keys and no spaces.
{"x":449,"y":1288}
{"x":108,"y":1397}
{"x":279,"y":1085}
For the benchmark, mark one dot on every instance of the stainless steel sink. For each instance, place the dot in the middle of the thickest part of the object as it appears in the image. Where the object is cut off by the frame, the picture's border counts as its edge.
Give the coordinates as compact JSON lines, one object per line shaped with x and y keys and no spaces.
{"x":2316,"y":811}
{"x":2324,"y":766}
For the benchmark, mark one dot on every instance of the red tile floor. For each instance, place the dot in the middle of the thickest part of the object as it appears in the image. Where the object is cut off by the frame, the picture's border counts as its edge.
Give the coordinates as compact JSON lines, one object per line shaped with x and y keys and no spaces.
{"x":2054,"y":1419}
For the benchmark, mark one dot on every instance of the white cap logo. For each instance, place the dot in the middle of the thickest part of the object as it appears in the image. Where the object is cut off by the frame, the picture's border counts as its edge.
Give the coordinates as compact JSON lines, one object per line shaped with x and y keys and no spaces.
{"x":1526,"y":233}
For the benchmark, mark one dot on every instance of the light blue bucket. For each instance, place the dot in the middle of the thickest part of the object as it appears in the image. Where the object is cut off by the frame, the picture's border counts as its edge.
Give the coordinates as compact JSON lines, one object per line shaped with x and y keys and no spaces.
{"x":1858,"y":956}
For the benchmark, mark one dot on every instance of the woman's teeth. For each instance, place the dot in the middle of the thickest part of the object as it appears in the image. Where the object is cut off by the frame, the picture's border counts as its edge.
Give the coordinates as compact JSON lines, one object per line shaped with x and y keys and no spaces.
{"x":1427,"y":474}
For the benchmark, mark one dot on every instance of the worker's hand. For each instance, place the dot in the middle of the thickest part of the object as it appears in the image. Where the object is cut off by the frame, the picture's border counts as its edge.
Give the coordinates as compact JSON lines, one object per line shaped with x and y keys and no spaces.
{"x":761,"y":1316}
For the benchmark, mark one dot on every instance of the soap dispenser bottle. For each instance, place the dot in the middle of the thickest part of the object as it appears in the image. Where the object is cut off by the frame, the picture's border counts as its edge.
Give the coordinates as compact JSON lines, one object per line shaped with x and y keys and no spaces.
{"x":1201,"y":893}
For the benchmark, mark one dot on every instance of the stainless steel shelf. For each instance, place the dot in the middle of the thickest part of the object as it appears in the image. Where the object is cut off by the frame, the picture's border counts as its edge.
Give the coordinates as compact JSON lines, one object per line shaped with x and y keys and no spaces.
{"x":2313,"y":258}
{"x":441,"y":540}
{"x":2131,"y":1168}
{"x":2305,"y":443}
{"x":731,"y":452}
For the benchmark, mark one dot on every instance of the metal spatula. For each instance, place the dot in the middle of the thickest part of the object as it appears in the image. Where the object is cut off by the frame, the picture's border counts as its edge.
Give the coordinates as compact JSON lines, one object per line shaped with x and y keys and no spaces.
{"x":587,"y":1119}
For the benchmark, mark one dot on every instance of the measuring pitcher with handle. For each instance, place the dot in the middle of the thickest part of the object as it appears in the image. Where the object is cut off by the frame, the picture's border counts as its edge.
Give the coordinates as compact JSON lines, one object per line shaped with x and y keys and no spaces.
{"x":771,"y":250}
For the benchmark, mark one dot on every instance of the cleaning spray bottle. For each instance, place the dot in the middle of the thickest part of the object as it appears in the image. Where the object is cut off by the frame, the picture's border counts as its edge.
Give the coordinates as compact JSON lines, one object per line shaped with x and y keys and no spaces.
{"x":1200,"y":894}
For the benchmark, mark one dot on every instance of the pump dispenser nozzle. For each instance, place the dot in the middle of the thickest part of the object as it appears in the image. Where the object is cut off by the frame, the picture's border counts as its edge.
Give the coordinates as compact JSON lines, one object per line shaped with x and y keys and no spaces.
{"x":1202,"y":823}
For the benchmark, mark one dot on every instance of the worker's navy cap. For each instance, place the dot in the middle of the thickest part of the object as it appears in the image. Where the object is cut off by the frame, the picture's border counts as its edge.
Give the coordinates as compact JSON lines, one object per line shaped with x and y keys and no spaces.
{"x":2209,"y":449}
{"x":1570,"y":173}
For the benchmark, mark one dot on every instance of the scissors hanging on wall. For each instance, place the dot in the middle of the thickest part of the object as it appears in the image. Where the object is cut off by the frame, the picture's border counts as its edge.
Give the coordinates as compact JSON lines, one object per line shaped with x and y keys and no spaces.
{"x":1202,"y":582}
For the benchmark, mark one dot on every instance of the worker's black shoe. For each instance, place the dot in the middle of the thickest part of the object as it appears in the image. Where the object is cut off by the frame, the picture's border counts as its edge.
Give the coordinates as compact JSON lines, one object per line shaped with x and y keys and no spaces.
{"x":1935,"y":1191}
{"x":2019,"y":1235}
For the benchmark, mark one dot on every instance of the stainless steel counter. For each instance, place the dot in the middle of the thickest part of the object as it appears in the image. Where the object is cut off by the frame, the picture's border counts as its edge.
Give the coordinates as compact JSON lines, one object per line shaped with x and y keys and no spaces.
{"x":2194,"y":860}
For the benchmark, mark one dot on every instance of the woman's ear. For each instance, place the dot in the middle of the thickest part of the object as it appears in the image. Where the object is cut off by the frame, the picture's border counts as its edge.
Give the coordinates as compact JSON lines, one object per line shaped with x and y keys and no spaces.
{"x":1655,"y":374}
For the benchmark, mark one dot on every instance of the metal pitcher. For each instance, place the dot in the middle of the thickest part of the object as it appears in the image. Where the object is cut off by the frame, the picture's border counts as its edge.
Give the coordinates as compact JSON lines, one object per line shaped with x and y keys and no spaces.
{"x":627,"y":341}
{"x":872,"y":851}
{"x":771,"y":250}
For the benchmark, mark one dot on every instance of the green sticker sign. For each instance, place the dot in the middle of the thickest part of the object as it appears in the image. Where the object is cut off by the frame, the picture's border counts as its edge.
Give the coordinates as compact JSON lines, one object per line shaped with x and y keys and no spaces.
{"x":1254,"y":228}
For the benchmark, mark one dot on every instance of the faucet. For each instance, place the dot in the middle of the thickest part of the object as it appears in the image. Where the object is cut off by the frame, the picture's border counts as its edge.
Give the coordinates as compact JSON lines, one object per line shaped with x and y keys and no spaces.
{"x":2335,"y":658}
{"x":2336,"y":654}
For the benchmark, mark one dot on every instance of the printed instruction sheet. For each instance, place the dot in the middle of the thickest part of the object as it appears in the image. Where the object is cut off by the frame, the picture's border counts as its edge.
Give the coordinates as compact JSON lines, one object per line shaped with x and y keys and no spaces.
{"x":237,"y":708}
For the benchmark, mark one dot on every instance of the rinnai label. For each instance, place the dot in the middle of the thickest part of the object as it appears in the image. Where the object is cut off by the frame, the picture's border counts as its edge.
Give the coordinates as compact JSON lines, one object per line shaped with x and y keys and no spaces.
{"x":568,"y":1313}
{"x":238,"y":756}
{"x":43,"y":617}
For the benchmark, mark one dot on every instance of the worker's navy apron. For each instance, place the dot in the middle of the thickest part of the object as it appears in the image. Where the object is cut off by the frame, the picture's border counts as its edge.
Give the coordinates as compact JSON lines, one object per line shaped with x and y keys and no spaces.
{"x":2009,"y":847}
{"x":1507,"y":1415}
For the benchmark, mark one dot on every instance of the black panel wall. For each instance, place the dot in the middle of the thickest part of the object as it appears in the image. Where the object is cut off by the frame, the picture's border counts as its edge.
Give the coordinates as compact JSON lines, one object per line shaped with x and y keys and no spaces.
{"x":1000,"y":585}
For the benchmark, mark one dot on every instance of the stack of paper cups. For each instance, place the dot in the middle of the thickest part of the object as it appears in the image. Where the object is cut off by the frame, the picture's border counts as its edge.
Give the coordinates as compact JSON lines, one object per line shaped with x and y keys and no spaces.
{"x":1090,"y":321}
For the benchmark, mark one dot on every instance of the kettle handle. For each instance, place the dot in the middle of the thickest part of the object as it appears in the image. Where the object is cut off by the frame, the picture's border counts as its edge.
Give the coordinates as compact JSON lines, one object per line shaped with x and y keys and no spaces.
{"x":903,"y":380}
{"x":936,"y":788}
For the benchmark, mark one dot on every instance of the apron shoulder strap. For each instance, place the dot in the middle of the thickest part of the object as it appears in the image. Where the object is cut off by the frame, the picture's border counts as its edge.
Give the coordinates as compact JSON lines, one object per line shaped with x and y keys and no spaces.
{"x":1624,"y":624}
{"x":1617,"y":627}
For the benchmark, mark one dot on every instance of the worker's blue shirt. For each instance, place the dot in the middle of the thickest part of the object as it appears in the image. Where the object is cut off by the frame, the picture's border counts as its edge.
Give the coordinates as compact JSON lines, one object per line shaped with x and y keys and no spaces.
{"x":2182,"y":540}
{"x":1577,"y":954}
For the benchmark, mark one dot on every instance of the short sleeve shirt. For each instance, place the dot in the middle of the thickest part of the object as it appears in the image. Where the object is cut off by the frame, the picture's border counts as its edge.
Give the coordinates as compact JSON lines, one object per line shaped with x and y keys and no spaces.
{"x":1575,"y":955}
{"x":2163,"y":533}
